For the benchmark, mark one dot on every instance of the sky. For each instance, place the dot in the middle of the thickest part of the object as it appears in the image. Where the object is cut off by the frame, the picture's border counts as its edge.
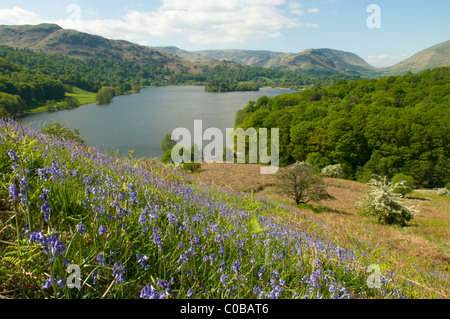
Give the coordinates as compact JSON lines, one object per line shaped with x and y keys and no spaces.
{"x":382,"y":32}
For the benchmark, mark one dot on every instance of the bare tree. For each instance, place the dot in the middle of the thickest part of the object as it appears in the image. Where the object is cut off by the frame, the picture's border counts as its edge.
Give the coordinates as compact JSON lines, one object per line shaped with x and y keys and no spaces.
{"x":299,"y":182}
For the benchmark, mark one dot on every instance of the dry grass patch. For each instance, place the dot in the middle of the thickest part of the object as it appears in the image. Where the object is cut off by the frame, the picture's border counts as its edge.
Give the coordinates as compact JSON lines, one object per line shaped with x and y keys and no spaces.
{"x":419,"y":252}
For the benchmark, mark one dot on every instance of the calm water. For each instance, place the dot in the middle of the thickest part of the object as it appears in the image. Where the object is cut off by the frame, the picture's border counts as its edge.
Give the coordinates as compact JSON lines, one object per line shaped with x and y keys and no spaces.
{"x":140,"y":121}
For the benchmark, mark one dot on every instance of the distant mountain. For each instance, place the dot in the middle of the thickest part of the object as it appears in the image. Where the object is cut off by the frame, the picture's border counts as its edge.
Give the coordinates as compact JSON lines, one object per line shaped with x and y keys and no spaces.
{"x":52,"y":39}
{"x":312,"y":59}
{"x":435,"y":56}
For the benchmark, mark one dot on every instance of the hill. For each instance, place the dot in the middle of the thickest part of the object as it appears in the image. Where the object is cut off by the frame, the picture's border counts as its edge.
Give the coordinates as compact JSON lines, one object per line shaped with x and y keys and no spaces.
{"x":309,"y":60}
{"x":435,"y":56}
{"x":52,"y":39}
{"x":137,"y":229}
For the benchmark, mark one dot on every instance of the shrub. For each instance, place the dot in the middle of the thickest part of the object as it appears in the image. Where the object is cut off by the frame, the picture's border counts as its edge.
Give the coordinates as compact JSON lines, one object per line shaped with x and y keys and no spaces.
{"x":442,"y":191}
{"x":406,"y":187}
{"x":383,"y":202}
{"x":192,"y":167}
{"x":59,"y":129}
{"x":332,"y":171}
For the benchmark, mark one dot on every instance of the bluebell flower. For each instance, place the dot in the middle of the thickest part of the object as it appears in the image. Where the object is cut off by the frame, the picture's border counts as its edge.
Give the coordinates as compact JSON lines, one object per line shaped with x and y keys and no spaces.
{"x":48,"y":283}
{"x":237,"y":266}
{"x":150,"y":292}
{"x":101,"y":230}
{"x":13,"y":193}
{"x":80,"y":228}
{"x":118,"y":271}
{"x":142,"y":261}
{"x":190,"y":293}
{"x":45,"y":208}
{"x":100,"y":259}
{"x":223,"y":279}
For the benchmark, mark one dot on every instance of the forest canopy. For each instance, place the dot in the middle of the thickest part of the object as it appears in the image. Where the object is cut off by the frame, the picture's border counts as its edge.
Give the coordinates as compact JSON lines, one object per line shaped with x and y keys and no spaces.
{"x":397,"y":124}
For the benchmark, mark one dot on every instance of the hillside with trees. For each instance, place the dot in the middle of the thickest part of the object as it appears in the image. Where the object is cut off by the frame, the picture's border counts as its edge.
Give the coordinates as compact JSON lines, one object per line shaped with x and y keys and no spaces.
{"x":396,"y":124}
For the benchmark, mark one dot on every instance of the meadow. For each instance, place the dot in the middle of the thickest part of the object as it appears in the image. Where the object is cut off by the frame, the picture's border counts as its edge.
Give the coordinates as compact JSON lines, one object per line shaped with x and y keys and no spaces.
{"x":135,"y":228}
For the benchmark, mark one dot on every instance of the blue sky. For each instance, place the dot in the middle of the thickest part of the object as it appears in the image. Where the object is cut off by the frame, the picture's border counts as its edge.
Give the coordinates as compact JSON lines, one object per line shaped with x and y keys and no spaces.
{"x":406,"y":26}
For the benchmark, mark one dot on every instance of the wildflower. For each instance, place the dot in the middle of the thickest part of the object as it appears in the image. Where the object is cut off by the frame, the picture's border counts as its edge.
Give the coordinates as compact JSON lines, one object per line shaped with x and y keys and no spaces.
{"x":13,"y":155}
{"x":101,"y":230}
{"x":151,"y":293}
{"x":223,"y":279}
{"x":48,"y":283}
{"x":100,"y":259}
{"x":45,"y":208}
{"x":118,"y":271}
{"x":142,"y":261}
{"x":44,"y":196}
{"x":142,"y":218}
{"x":13,"y":191}
{"x":237,"y":266}
{"x":190,"y":293}
{"x":156,"y":237}
{"x":94,"y":277}
{"x":261,"y":272}
{"x":80,"y":228}
{"x":165,"y":285}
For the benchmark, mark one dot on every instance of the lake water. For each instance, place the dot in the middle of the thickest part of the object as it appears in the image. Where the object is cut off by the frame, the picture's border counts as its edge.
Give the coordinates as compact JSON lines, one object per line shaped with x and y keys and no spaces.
{"x":140,"y":121}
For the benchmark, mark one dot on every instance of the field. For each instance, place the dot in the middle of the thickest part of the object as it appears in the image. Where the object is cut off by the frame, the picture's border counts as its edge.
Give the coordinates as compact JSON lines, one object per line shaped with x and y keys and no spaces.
{"x":82,"y":96}
{"x":416,"y":251}
{"x":78,"y":223}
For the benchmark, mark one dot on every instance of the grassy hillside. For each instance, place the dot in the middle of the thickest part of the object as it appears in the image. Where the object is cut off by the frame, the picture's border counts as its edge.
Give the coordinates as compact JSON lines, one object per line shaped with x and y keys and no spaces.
{"x":52,"y":39}
{"x":308,"y":60}
{"x":137,"y":229}
{"x":415,"y":250}
{"x":435,"y":56}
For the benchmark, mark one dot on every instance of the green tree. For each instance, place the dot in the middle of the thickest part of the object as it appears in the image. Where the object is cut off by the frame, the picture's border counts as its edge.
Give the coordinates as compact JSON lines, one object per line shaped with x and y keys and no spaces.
{"x":105,"y":95}
{"x":300,"y":182}
{"x":406,"y":183}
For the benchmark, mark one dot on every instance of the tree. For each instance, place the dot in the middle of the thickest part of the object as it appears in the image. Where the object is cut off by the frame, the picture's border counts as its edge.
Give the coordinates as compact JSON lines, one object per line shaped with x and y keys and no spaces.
{"x":407,"y":185}
{"x":167,"y":143}
{"x":384,"y":203}
{"x":301,"y":183}
{"x":105,"y":95}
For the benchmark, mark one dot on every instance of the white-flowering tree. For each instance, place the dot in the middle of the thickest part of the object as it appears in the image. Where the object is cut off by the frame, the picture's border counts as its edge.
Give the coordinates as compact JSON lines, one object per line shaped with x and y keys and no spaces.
{"x":385,"y":204}
{"x":332,"y":171}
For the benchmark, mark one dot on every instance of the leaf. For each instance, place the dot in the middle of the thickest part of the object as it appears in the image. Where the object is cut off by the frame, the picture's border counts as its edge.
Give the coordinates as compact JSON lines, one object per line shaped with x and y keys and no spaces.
{"x":254,"y":227}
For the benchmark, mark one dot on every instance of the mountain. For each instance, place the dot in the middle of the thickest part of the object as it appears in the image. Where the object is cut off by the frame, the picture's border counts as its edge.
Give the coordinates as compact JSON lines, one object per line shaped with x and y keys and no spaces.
{"x":52,"y":39}
{"x":435,"y":56}
{"x":312,"y":59}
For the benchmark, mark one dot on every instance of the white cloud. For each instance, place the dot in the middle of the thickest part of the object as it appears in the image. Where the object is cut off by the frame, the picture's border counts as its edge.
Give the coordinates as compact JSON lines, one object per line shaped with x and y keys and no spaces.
{"x":199,"y":21}
{"x":385,"y":60}
{"x":313,"y":10}
{"x":18,"y":15}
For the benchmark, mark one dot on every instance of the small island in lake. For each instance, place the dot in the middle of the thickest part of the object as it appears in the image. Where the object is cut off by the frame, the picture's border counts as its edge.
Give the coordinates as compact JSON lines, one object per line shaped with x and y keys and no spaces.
{"x":219,"y":86}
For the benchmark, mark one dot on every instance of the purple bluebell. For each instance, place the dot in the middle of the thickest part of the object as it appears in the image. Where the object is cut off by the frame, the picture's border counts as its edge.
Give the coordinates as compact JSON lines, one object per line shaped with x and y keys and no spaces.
{"x":80,"y":228}
{"x":118,"y":271}
{"x":101,"y":230}
{"x":142,"y":260}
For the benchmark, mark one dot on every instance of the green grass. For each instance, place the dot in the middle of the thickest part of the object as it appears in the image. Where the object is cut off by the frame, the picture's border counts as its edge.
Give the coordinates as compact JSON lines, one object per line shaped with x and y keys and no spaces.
{"x":84,"y":97}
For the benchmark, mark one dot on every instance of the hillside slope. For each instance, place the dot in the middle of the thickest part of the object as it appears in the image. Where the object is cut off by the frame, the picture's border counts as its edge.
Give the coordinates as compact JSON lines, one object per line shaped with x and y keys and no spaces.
{"x":52,"y":39}
{"x":432,"y":57}
{"x":309,"y":60}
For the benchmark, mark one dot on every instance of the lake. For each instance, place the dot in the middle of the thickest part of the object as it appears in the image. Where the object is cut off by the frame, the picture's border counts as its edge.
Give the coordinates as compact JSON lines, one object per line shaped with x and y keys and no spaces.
{"x":140,"y":121}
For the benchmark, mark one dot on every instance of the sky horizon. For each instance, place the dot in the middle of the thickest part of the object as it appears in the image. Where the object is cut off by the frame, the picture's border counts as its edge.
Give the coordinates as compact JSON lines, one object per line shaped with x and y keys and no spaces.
{"x":381,"y":32}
